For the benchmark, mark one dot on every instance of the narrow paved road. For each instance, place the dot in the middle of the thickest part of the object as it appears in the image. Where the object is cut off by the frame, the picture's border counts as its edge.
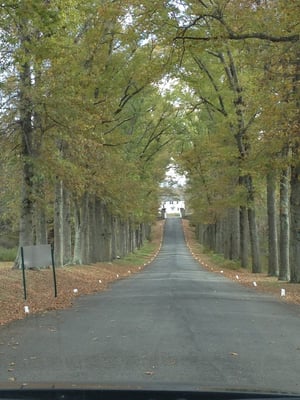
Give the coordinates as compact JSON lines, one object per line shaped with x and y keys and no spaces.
{"x":172,"y":323}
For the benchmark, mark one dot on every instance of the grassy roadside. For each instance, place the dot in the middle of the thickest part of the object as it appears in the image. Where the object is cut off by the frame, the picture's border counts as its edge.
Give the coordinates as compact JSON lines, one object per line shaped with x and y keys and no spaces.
{"x":85,"y":279}
{"x":260,"y":282}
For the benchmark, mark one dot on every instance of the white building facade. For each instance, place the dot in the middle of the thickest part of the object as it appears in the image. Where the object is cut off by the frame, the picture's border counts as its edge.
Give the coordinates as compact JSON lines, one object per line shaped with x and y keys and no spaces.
{"x":172,"y":208}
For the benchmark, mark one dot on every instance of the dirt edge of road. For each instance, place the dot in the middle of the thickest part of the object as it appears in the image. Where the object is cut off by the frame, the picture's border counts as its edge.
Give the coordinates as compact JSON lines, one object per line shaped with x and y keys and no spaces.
{"x":260,"y":282}
{"x":72,"y":281}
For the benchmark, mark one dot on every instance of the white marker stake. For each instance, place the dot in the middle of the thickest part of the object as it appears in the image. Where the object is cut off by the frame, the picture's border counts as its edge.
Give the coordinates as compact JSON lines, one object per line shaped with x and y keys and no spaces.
{"x":282,"y":292}
{"x":26,"y":309}
{"x":237,"y":277}
{"x":254,"y":284}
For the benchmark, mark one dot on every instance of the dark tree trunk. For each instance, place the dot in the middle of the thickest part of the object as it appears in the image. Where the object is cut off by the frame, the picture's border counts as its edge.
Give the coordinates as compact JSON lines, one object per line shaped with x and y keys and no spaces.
{"x":58,"y":224}
{"x":77,"y":234}
{"x":41,"y":233}
{"x":295,"y":185}
{"x":273,"y":267}
{"x":233,"y":234}
{"x":255,"y":251}
{"x":284,"y":218}
{"x":253,"y":231}
{"x":84,"y":231}
{"x":295,"y":225}
{"x":221,"y":236}
{"x":244,"y":237}
{"x":92,"y":230}
{"x":67,"y":229}
{"x":27,"y":205}
{"x":62,"y":226}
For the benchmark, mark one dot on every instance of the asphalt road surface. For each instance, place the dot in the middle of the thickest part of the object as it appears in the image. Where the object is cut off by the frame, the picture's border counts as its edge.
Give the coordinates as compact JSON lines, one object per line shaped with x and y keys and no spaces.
{"x":173,"y":324}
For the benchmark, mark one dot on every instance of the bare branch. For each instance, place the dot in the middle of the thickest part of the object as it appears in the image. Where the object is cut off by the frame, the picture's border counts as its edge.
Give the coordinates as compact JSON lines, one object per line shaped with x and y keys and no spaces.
{"x":118,"y":125}
{"x":212,"y":81}
{"x":234,"y":36}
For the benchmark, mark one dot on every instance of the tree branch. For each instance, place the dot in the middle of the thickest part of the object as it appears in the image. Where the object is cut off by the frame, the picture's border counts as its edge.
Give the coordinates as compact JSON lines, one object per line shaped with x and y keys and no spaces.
{"x":244,"y":36}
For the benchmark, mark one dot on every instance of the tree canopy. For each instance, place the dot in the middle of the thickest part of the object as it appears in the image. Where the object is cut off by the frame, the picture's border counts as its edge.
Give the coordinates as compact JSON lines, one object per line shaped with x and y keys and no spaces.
{"x":97,"y":96}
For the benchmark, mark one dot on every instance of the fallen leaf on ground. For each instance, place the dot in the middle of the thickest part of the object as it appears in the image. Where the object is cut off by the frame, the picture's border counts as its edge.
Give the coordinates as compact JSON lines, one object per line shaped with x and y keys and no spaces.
{"x":85,"y":278}
{"x":264,"y":283}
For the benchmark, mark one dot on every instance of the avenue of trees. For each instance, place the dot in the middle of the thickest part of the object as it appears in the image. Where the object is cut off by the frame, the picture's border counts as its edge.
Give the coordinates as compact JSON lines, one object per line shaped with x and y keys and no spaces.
{"x":81,"y":126}
{"x":97,"y":96}
{"x":241,"y":68}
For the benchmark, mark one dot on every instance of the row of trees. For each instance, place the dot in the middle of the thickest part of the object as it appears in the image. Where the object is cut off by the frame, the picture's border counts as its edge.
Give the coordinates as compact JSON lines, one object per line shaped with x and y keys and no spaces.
{"x":240,"y":70}
{"x":81,"y":127}
{"x":96,"y":97}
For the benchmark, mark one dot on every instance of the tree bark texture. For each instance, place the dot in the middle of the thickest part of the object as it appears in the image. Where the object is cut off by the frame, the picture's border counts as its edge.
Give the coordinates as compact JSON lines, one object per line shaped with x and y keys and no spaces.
{"x":77,"y":233}
{"x":244,"y":237}
{"x":99,"y":236}
{"x":27,"y":204}
{"x":67,"y":229}
{"x":62,"y":226}
{"x":220,"y":236}
{"x":58,"y":224}
{"x":41,"y":232}
{"x":295,"y":183}
{"x":295,"y":225}
{"x":273,"y":265}
{"x":233,"y":234}
{"x":92,"y":230}
{"x":255,"y":251}
{"x":40,"y":219}
{"x":284,"y":221}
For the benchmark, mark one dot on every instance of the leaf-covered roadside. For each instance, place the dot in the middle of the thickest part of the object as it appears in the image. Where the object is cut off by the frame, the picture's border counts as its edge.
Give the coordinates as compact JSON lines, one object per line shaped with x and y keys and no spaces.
{"x":260,"y":282}
{"x":86,"y":279}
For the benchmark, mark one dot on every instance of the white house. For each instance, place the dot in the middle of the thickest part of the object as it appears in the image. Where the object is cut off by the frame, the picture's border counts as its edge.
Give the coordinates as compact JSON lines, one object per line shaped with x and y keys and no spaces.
{"x":172,"y":207}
